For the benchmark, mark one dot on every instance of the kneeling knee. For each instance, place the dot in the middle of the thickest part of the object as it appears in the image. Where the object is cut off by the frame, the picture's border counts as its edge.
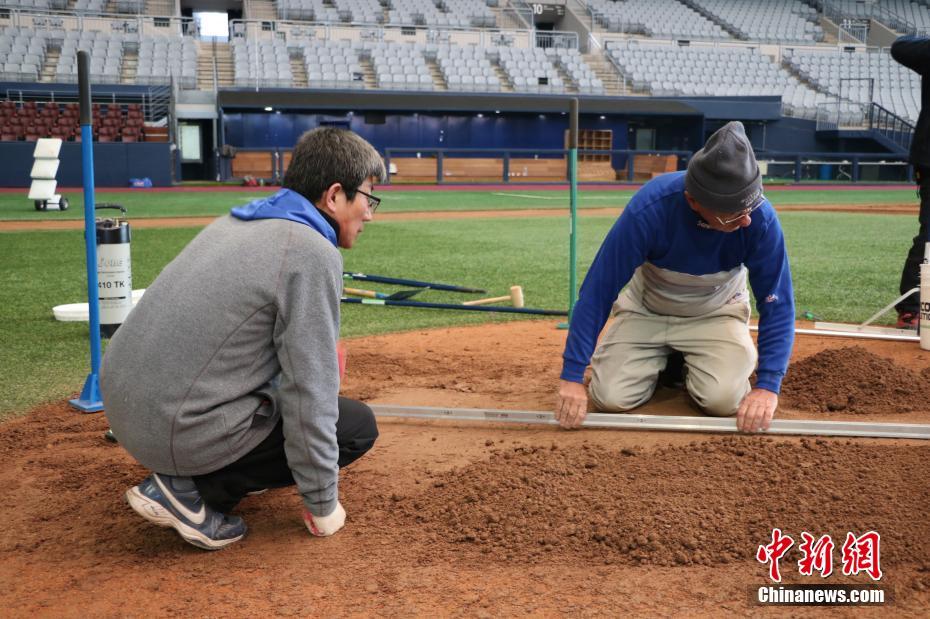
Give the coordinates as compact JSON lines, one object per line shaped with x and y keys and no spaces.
{"x":616,"y":402}
{"x":720,"y":404}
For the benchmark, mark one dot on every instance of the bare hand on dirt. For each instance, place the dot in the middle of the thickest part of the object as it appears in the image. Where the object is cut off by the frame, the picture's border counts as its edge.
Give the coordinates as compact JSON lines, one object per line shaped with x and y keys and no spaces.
{"x":572,"y":405}
{"x":324,"y":526}
{"x":756,"y":410}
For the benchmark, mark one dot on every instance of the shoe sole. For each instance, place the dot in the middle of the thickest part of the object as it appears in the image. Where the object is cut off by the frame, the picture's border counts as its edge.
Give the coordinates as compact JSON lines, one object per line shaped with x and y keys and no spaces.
{"x":156,"y":514}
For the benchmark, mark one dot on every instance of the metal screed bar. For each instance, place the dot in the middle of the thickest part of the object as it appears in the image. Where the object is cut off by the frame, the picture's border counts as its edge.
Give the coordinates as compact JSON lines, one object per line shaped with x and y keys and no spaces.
{"x":874,"y":333}
{"x":662,"y":422}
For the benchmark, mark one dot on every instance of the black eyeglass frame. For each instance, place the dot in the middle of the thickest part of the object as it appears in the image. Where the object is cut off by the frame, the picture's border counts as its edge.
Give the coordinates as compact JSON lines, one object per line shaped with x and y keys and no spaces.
{"x":373,"y":201}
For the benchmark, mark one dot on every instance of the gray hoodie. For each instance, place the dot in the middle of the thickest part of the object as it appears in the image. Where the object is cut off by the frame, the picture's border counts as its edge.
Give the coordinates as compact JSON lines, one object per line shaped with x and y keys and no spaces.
{"x":237,"y":332}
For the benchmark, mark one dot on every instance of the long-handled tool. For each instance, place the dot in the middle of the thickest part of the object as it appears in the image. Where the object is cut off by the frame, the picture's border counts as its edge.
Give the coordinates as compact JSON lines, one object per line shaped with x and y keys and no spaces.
{"x":515,"y":297}
{"x":456,"y":306}
{"x":371,"y":294}
{"x":408,"y":282}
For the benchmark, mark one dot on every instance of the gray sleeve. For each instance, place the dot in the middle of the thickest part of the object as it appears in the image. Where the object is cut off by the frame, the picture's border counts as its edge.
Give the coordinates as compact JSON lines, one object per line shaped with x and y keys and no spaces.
{"x":307,"y":329}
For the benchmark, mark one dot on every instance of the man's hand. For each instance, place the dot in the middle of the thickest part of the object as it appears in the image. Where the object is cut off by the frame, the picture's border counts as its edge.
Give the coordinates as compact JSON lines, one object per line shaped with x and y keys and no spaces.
{"x":323,"y":526}
{"x":756,"y":410}
{"x":572,"y":405}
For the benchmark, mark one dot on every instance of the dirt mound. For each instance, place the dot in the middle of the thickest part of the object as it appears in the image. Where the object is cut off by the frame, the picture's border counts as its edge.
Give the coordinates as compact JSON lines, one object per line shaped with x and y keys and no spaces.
{"x":703,"y":503}
{"x":853,"y":380}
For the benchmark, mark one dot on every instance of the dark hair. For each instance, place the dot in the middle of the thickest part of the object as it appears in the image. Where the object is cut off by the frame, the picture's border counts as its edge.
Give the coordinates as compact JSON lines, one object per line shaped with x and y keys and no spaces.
{"x":328,"y":155}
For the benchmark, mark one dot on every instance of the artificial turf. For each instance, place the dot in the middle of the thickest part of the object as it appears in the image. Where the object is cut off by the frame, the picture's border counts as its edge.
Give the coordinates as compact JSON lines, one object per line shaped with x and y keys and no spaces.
{"x":845,"y":267}
{"x":153,"y":203}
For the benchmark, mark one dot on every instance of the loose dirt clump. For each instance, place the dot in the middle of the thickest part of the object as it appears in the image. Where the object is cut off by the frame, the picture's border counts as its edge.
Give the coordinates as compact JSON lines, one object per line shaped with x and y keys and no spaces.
{"x":704,"y":503}
{"x":853,"y":380}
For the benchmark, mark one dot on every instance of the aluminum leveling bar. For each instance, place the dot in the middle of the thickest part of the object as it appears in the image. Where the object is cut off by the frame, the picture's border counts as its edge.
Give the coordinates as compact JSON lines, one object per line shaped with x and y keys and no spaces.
{"x":662,"y":422}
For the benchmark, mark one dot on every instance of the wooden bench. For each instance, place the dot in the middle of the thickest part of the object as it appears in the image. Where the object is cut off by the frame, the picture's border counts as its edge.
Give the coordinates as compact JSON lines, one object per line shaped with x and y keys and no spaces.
{"x":255,"y":163}
{"x":475,"y":169}
{"x":647,"y":167}
{"x":596,"y":171}
{"x":471,"y":169}
{"x":414,"y":169}
{"x":552,"y":170}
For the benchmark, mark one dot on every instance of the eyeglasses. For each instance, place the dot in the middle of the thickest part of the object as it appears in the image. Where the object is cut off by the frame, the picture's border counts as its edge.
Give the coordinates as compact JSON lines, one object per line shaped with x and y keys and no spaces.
{"x":740,"y":215}
{"x":373,"y":201}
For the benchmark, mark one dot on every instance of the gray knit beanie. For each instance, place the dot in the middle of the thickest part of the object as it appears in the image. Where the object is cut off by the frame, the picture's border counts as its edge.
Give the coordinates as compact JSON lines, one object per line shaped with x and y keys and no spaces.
{"x":724,"y":176}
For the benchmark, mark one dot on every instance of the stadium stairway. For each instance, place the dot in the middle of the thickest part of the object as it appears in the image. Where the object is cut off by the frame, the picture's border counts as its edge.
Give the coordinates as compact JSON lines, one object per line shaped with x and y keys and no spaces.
{"x":724,"y":25}
{"x":299,"y":71}
{"x":436,"y":74}
{"x":368,"y":73}
{"x":129,"y":67}
{"x":571,"y":87}
{"x":205,"y":66}
{"x":166,"y":8}
{"x":506,"y":84}
{"x":225,"y":72}
{"x":47,"y":74}
{"x":259,"y":9}
{"x":613,"y":83}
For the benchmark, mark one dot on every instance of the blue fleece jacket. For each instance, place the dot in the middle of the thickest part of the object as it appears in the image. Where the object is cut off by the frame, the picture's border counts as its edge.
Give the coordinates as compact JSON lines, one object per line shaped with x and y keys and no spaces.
{"x":658,"y":226}
{"x":289,"y":205}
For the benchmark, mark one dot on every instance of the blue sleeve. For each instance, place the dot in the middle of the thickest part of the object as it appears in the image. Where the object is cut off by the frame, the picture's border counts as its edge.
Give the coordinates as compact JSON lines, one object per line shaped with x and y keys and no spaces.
{"x":624,"y":249}
{"x":770,"y":278}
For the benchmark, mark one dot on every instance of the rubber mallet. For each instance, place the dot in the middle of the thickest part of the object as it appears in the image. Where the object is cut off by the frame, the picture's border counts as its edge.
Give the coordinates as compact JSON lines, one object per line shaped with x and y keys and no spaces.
{"x":515,"y":297}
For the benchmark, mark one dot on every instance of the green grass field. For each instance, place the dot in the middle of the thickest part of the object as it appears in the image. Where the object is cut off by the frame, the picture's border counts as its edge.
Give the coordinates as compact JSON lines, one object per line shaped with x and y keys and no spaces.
{"x":845,"y":267}
{"x":205,"y":203}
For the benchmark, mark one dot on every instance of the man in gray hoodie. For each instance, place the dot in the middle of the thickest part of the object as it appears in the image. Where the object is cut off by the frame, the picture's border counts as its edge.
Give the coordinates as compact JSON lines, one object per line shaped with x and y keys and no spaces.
{"x":224,"y":379}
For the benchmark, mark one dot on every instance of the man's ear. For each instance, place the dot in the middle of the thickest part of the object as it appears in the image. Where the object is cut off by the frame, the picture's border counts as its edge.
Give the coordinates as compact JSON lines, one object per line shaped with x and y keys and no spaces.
{"x":328,"y":201}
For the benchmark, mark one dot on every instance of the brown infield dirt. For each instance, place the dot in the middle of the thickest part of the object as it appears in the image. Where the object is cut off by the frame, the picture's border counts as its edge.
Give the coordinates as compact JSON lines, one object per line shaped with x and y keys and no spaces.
{"x":485,"y":520}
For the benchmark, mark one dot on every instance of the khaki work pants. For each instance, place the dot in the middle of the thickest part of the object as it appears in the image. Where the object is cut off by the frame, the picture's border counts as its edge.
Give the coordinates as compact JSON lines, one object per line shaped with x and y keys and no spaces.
{"x":718,"y":350}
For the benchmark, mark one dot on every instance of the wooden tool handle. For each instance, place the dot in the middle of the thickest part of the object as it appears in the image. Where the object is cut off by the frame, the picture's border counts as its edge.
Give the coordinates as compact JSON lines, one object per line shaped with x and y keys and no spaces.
{"x":487,"y":301}
{"x":356,"y":292}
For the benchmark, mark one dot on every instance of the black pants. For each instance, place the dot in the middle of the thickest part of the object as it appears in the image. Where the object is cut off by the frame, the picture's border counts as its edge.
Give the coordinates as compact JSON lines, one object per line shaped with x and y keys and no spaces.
{"x":266,"y":465}
{"x":910,"y":276}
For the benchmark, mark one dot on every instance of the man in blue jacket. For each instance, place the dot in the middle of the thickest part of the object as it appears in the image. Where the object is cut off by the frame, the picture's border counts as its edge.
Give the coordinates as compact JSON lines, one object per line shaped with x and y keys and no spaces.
{"x":224,"y":379}
{"x":680,"y":253}
{"x":913,"y":52}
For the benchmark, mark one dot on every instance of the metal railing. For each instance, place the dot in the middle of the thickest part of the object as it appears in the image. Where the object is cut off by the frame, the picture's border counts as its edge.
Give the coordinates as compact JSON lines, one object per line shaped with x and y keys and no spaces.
{"x":857,"y":18}
{"x":155,"y":100}
{"x":891,"y":126}
{"x":146,"y":25}
{"x":393,"y":33}
{"x":872,"y":116}
{"x":521,"y":12}
{"x":842,"y":115}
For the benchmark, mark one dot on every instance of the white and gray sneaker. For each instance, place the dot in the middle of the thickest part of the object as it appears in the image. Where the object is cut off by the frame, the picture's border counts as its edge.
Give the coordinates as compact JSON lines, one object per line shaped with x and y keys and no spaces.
{"x":175,"y":502}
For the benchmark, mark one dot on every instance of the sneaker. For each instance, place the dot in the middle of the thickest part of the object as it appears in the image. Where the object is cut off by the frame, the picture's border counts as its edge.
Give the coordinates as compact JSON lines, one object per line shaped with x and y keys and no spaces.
{"x":908,"y":320}
{"x":175,"y":502}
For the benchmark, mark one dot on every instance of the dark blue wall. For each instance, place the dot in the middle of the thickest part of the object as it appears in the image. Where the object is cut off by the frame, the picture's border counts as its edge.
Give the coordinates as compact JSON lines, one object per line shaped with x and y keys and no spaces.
{"x":417,"y":130}
{"x":114,"y":164}
{"x":789,"y":135}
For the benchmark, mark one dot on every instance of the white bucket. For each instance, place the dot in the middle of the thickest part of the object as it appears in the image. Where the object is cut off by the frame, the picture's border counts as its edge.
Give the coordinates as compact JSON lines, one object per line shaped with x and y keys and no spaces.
{"x":925,"y":306}
{"x":77,"y":312}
